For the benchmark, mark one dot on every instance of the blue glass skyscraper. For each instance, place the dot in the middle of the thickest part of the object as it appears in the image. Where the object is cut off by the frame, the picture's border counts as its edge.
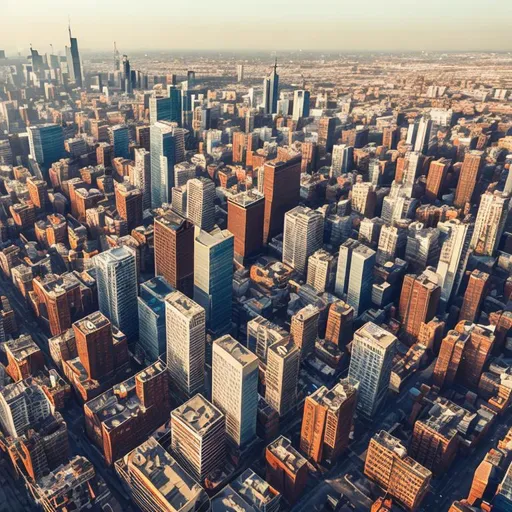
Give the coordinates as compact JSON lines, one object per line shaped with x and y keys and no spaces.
{"x":271,"y":91}
{"x":46,"y":144}
{"x":75,"y":64}
{"x":213,"y":278}
{"x":163,"y":158}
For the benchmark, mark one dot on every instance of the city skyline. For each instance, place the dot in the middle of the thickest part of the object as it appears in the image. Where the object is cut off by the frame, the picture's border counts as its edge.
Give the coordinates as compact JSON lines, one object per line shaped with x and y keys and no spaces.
{"x":372,"y":26}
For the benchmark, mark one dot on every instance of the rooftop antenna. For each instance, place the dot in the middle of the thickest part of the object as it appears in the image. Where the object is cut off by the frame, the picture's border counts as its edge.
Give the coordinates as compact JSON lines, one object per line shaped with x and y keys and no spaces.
{"x":51,"y":46}
{"x":69,"y":26}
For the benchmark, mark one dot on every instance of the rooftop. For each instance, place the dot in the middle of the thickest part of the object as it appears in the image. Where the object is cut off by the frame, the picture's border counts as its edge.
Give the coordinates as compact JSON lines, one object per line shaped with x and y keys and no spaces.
{"x":186,"y":306}
{"x":247,"y":198}
{"x":378,"y":335}
{"x":228,"y":500}
{"x":92,"y":322}
{"x":241,"y":354}
{"x":169,"y":479}
{"x":22,"y":347}
{"x":334,"y":398}
{"x":198,"y":413}
{"x":172,"y":220}
{"x":283,"y":450}
{"x":255,"y":490}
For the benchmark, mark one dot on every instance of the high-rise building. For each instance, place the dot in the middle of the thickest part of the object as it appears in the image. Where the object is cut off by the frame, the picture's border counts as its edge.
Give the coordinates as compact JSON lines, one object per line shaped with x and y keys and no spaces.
{"x":419,"y":300}
{"x":22,"y":404}
{"x":373,"y":350}
{"x":342,"y":160}
{"x":174,"y":251}
{"x":327,"y":421}
{"x":75,"y":65}
{"x":166,"y":109}
{"x":213,"y":278}
{"x":198,"y":437}
{"x":258,"y":493}
{"x":117,"y":288}
{"x":46,"y":143}
{"x":422,"y":249}
{"x":152,"y":332}
{"x":326,"y":129}
{"x":186,"y":343}
{"x":120,"y":141}
{"x":354,"y":276}
{"x":304,"y":329}
{"x":448,"y":360}
{"x":261,"y":334}
{"x":322,"y":271}
{"x":239,"y":73}
{"x":454,"y":256}
{"x":271,"y":91}
{"x":281,"y":188}
{"x":400,"y":476}
{"x":339,"y":324}
{"x":167,"y":149}
{"x":303,"y":235}
{"x":129,"y":204}
{"x":283,"y":361}
{"x":490,"y":222}
{"x":159,"y":482}
{"x":364,"y":199}
{"x":477,"y":351}
{"x":436,"y":178}
{"x":423,"y":135}
{"x":201,"y":203}
{"x":468,"y":178}
{"x":287,"y":469}
{"x":300,"y":104}
{"x":235,"y":388}
{"x":142,"y":175}
{"x":475,"y":292}
{"x":245,"y":222}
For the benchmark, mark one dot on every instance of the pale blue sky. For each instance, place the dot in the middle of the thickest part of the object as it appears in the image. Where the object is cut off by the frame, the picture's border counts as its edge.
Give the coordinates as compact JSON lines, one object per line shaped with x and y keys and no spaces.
{"x":259,"y":24}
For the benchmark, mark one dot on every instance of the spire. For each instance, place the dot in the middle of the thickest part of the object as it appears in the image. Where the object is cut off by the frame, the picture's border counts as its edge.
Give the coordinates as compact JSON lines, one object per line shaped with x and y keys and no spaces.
{"x":275,"y":65}
{"x":69,"y":26}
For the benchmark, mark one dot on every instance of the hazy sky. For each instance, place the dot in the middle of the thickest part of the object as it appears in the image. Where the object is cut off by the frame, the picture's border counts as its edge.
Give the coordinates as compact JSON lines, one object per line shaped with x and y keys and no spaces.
{"x":258,"y":24}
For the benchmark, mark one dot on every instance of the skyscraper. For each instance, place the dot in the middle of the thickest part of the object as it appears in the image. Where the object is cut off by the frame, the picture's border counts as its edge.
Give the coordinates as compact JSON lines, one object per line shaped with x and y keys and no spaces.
{"x":300,"y":104}
{"x":271,"y":91}
{"x":213,"y":278}
{"x":120,"y":141}
{"x":303,"y":235}
{"x":304,"y":329}
{"x":490,"y":222}
{"x":322,"y":271}
{"x":151,"y":301}
{"x":326,"y":129}
{"x":75,"y":63}
{"x":46,"y":143}
{"x":419,"y":300}
{"x":373,"y":350}
{"x":186,"y":343}
{"x":117,"y":288}
{"x":245,"y":221}
{"x":342,"y":160}
{"x":166,"y":141}
{"x":235,"y":388}
{"x":142,"y":175}
{"x":174,"y":251}
{"x":283,"y":361}
{"x":354,"y":276}
{"x":198,"y":437}
{"x":436,"y":178}
{"x":400,"y":476}
{"x":468,"y":178}
{"x":476,"y":290}
{"x":166,"y":109}
{"x":201,"y":203}
{"x":327,"y":421}
{"x":281,"y":188}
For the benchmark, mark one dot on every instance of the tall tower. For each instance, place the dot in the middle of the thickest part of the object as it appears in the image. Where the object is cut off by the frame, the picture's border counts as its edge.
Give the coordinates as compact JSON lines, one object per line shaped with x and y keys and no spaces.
{"x":490,"y":222}
{"x":75,"y":60}
{"x":201,"y":203}
{"x":373,"y":350}
{"x":271,"y":91}
{"x":304,"y":329}
{"x":186,"y":342}
{"x":117,"y":288}
{"x":283,"y":361}
{"x":475,"y":292}
{"x":419,"y":300}
{"x":166,"y":140}
{"x":235,"y":388}
{"x":300,"y":104}
{"x":213,"y":278}
{"x":174,"y":251}
{"x":468,"y":178}
{"x":303,"y":235}
{"x":327,"y":421}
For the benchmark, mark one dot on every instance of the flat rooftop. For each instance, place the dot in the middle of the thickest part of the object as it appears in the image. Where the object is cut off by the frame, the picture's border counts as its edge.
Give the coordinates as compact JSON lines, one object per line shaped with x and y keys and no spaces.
{"x":377,"y":334}
{"x":169,"y":479}
{"x":247,"y":198}
{"x":92,"y":322}
{"x":22,"y":347}
{"x":283,"y":450}
{"x":186,"y":306}
{"x":240,"y":353}
{"x":198,"y":413}
{"x":228,"y":500}
{"x":255,"y":490}
{"x":172,"y":220}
